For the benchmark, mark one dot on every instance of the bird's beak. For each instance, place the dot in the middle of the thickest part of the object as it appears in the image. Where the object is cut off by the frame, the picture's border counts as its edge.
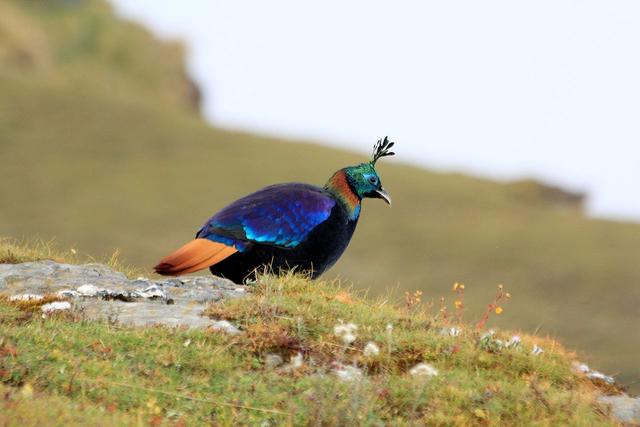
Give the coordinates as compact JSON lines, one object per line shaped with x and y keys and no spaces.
{"x":381,"y":194}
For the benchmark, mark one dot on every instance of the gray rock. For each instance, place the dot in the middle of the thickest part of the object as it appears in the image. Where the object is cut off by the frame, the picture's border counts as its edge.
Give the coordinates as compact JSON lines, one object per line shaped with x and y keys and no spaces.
{"x":56,"y":306}
{"x":273,"y":361}
{"x":225,"y":326}
{"x":593,"y":375}
{"x":101,"y":293}
{"x":87,"y":291}
{"x":599,"y":376}
{"x":623,"y":408}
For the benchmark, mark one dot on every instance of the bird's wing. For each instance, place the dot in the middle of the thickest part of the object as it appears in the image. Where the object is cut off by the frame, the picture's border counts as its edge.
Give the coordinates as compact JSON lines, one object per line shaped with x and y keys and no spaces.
{"x":279,"y":215}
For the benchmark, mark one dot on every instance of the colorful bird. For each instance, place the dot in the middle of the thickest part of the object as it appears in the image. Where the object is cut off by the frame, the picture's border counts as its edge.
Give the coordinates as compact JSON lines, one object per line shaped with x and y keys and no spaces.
{"x":283,"y":226}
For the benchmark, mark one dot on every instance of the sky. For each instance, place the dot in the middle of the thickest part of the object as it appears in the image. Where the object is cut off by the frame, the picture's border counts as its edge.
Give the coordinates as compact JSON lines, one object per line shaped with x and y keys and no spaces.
{"x":547,"y":89}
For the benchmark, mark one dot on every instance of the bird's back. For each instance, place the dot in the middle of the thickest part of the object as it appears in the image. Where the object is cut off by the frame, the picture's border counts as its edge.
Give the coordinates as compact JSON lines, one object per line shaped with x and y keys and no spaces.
{"x":303,"y":227}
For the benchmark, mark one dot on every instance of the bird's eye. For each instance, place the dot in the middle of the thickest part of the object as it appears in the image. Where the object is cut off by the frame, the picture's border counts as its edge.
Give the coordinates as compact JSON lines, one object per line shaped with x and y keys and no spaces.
{"x":373,"y":180}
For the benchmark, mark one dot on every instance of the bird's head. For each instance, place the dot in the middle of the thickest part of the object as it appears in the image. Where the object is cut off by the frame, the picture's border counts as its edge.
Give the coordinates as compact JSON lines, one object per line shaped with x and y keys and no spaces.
{"x":364,"y":179}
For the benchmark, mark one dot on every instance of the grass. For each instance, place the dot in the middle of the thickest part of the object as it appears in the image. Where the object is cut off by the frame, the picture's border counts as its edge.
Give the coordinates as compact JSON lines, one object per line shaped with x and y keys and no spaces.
{"x":13,"y":251}
{"x":102,"y":150}
{"x":26,"y":407}
{"x":78,"y":371}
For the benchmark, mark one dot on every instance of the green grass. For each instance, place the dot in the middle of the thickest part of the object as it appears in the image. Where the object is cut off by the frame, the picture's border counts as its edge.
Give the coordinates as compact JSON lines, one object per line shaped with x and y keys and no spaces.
{"x":101,"y":150}
{"x":186,"y":377}
{"x":24,"y":407}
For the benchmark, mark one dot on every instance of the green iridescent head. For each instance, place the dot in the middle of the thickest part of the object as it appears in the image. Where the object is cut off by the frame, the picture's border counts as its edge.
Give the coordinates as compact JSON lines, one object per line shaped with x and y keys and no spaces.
{"x":364,"y":179}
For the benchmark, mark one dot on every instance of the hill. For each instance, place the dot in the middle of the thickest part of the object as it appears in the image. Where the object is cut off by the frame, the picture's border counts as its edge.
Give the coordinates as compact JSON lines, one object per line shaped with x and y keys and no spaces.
{"x":291,"y":352}
{"x":101,"y":149}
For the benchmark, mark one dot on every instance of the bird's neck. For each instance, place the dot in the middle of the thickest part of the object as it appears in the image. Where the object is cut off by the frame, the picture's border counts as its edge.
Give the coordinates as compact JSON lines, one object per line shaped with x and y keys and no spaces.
{"x":338,"y":185}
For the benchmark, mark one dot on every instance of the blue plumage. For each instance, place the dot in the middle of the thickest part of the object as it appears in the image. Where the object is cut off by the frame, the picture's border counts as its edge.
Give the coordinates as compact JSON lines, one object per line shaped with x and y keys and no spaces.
{"x":280,"y":215}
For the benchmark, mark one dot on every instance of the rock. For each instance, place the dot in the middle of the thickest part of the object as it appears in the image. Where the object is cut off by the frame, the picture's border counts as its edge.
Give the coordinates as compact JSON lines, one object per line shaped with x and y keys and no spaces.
{"x":101,"y":293}
{"x":56,"y":306}
{"x":88,"y":290}
{"x":225,"y":326}
{"x":273,"y":361}
{"x":593,"y":375}
{"x":153,"y":291}
{"x":599,"y":376}
{"x":295,"y":362}
{"x":623,"y":408}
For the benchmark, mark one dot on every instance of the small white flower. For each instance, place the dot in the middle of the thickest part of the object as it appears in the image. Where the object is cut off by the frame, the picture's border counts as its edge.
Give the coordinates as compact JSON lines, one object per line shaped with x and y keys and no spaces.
{"x":489,"y":334}
{"x":349,"y":338}
{"x":491,"y":344}
{"x":187,"y":343}
{"x":389,"y":327}
{"x":346,"y":332}
{"x":371,"y":349}
{"x":514,"y":341}
{"x":347,"y":373}
{"x":536,"y":350}
{"x":423,"y":370}
{"x":344,"y":328}
{"x":452,"y":332}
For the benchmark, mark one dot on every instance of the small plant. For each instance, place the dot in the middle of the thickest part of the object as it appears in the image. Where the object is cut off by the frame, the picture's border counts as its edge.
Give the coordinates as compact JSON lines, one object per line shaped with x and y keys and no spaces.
{"x":443,"y":313}
{"x":412,"y":299}
{"x":493,"y":307}
{"x":346,"y":332}
{"x":458,"y":290}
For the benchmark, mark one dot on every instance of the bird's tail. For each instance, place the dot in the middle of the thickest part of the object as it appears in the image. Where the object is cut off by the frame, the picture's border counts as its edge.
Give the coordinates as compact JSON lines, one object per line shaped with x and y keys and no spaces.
{"x":195,"y":255}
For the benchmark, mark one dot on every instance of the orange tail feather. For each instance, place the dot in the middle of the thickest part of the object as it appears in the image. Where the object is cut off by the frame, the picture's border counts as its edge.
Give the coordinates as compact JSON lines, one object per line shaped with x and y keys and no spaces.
{"x":195,"y":255}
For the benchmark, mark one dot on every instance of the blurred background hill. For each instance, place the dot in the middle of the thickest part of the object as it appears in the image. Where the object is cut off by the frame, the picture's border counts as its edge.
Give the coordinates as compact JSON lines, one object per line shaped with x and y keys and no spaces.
{"x":102,"y":147}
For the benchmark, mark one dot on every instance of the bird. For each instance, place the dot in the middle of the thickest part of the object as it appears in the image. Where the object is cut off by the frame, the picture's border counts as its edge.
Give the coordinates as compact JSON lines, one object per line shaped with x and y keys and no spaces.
{"x":291,"y":226}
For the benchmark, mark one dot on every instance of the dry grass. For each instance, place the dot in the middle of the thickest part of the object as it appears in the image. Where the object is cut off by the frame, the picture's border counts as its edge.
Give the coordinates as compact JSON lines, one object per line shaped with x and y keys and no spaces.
{"x":14,"y":251}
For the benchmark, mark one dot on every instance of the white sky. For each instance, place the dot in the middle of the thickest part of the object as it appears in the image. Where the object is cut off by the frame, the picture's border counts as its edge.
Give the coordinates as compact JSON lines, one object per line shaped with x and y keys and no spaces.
{"x":505,"y":89}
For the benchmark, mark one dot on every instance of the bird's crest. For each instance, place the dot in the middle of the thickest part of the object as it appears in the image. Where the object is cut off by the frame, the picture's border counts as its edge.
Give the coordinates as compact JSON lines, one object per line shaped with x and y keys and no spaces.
{"x":381,"y":149}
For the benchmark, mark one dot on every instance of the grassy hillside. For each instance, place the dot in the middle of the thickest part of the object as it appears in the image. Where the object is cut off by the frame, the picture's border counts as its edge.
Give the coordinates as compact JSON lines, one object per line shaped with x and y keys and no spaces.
{"x":100,"y":148}
{"x":342,"y":360}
